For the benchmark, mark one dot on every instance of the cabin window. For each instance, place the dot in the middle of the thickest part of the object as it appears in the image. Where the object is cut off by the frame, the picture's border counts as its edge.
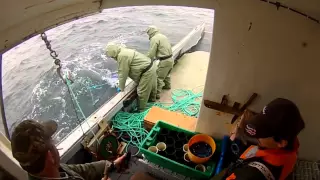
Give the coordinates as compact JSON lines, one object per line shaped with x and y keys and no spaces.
{"x":32,"y":88}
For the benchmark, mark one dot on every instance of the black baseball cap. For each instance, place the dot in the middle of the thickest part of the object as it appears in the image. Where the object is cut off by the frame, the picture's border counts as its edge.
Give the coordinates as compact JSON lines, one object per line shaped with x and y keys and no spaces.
{"x":280,"y":118}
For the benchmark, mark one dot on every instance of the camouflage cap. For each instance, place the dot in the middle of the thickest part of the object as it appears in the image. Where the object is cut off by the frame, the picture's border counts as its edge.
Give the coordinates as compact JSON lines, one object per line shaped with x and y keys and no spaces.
{"x":31,"y":139}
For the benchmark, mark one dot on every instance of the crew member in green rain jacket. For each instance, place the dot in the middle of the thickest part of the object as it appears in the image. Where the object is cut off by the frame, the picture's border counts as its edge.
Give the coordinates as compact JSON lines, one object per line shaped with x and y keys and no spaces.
{"x":160,"y":48}
{"x":139,"y":68}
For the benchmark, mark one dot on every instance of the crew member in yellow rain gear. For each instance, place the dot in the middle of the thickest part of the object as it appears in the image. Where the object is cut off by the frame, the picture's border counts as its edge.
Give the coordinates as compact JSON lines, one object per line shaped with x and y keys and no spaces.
{"x":139,"y":68}
{"x":160,"y":48}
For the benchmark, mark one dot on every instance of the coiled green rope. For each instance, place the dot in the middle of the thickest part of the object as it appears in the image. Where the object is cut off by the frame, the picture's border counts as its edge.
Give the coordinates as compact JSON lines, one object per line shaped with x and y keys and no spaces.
{"x":132,"y":124}
{"x":186,"y":102}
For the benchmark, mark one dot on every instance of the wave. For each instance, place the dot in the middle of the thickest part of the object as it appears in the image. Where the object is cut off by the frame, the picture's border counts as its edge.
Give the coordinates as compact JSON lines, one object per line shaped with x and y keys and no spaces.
{"x":92,"y":73}
{"x":86,"y":27}
{"x":101,"y":21}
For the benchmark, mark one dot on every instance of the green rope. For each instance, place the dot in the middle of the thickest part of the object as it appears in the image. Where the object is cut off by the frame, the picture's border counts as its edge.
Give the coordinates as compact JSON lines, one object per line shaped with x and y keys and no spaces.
{"x":75,"y":101}
{"x":74,"y":98}
{"x":132,"y":124}
{"x":99,"y":86}
{"x":186,"y":102}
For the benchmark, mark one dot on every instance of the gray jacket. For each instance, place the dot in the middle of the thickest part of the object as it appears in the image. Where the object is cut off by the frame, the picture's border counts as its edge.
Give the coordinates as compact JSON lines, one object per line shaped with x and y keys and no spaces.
{"x":88,"y":171}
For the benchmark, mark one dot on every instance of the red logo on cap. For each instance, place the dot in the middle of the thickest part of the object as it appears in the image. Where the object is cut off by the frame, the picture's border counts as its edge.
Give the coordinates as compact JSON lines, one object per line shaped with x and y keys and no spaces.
{"x":250,"y":130}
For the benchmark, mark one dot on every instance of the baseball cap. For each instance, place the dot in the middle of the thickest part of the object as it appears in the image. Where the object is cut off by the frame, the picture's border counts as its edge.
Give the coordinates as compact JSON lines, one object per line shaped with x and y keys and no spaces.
{"x":30,"y":141}
{"x":280,"y":118}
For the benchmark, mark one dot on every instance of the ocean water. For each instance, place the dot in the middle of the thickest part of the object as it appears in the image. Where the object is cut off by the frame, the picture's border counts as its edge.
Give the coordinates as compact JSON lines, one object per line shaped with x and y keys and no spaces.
{"x":32,"y":88}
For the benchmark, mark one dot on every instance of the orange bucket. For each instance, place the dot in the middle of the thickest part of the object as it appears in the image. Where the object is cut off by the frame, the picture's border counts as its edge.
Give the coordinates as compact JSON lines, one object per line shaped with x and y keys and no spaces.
{"x":201,"y":138}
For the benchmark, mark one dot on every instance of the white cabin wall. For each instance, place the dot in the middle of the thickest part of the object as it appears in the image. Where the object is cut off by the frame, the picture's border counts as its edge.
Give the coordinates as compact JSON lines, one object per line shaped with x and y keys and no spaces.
{"x":269,"y":59}
{"x":8,"y":162}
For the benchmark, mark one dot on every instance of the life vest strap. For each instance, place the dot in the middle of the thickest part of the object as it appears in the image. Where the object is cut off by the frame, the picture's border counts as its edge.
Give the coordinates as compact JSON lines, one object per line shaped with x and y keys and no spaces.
{"x":263,"y":169}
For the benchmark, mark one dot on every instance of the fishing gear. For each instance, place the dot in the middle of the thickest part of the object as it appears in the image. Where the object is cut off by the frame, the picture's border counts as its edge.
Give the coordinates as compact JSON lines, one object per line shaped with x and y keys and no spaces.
{"x":130,"y":126}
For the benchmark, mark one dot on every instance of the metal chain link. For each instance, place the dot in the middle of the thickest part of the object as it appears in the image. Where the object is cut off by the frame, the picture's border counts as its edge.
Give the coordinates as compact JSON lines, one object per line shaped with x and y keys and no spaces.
{"x":53,"y":53}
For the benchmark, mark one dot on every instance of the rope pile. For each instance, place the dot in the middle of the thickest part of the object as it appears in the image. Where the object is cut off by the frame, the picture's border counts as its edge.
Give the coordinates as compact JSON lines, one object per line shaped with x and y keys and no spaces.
{"x":184,"y":101}
{"x":132,"y":124}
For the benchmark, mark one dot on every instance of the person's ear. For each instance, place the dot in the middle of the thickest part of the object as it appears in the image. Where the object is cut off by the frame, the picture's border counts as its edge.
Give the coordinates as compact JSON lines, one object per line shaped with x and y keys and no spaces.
{"x":282,"y":143}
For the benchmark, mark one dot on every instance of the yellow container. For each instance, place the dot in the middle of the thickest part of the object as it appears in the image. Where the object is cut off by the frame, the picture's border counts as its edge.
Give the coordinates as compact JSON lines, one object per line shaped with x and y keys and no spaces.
{"x":201,"y":138}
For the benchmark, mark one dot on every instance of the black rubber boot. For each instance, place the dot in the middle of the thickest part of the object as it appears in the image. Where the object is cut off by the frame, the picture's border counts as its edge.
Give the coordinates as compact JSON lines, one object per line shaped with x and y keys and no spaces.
{"x":166,"y":87}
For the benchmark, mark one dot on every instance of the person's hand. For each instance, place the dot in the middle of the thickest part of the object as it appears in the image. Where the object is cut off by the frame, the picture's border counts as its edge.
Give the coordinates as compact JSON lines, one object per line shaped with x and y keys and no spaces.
{"x":118,"y":161}
{"x":234,"y":131}
{"x":247,"y":115}
{"x":117,"y":165}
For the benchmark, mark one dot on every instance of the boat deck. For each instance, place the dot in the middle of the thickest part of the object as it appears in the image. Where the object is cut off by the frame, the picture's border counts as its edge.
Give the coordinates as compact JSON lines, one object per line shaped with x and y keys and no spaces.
{"x":189,"y":73}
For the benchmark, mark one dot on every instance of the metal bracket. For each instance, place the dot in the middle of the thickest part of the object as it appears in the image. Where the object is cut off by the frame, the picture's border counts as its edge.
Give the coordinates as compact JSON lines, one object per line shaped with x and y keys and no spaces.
{"x":224,"y":107}
{"x":89,"y":141}
{"x":245,"y":106}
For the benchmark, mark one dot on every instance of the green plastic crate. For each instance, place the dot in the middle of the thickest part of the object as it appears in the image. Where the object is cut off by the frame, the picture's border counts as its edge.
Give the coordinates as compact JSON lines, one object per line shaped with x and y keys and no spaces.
{"x":173,"y":165}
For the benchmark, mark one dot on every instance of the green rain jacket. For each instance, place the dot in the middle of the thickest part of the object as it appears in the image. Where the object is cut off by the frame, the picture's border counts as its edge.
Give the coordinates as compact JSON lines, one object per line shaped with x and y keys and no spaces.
{"x":159,"y":44}
{"x":130,"y":63}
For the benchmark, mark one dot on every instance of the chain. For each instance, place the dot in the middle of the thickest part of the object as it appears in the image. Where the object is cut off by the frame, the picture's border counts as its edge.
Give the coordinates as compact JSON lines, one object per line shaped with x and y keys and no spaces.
{"x":53,"y":54}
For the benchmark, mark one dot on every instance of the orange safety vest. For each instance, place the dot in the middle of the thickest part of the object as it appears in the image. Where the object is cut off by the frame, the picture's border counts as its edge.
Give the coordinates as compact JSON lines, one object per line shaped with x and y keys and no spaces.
{"x":276,"y":157}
